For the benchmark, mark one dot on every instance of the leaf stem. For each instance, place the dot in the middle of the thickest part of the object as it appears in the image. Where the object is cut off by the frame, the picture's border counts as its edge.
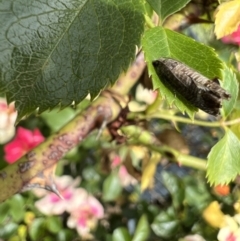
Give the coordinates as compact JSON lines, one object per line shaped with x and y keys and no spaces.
{"x":186,"y":120}
{"x":149,"y":21}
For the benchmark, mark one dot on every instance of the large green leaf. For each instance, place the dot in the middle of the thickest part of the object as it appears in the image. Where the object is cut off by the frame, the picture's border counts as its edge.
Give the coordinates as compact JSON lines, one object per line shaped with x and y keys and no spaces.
{"x":56,"y":52}
{"x":159,"y":42}
{"x":224,"y":160}
{"x":164,"y":8}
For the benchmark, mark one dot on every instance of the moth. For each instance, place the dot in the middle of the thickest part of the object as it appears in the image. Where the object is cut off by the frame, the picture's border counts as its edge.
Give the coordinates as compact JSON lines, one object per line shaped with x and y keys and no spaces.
{"x":200,"y":91}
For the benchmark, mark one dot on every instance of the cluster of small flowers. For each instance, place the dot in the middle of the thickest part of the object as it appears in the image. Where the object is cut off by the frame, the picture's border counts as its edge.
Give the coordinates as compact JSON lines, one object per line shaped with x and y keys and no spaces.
{"x":84,"y":209}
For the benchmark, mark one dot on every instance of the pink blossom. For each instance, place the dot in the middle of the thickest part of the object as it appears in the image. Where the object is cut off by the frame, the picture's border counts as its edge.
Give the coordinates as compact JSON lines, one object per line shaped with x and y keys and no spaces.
{"x":116,"y":161}
{"x":230,"y":231}
{"x":145,"y":95}
{"x":233,"y":38}
{"x":51,"y":204}
{"x":226,"y":234}
{"x":8,"y":117}
{"x":24,"y":141}
{"x":85,"y":210}
{"x":125,"y":178}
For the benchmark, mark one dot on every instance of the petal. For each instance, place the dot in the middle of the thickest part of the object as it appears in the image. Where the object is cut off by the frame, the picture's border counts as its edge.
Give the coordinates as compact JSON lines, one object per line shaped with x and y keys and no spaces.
{"x":24,"y":134}
{"x":48,"y":207}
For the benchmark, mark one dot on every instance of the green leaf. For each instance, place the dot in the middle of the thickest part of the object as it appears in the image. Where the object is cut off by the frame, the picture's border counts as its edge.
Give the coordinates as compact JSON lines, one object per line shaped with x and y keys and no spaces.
{"x":121,"y":234}
{"x":8,"y":230}
{"x":196,"y":193}
{"x":57,"y":119}
{"x":165,"y":225}
{"x":53,"y":224}
{"x":229,"y":83}
{"x":37,"y":229}
{"x":112,"y":187}
{"x":142,"y":230}
{"x":159,"y":42}
{"x":164,"y":8}
{"x":224,"y":160}
{"x":54,"y":53}
{"x":175,"y":187}
{"x":65,"y":235}
{"x":17,"y":210}
{"x":4,"y":211}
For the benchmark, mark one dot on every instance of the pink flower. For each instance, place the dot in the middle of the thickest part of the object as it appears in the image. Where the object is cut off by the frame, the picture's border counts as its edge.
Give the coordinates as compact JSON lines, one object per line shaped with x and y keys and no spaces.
{"x":145,"y":95}
{"x":226,"y":234}
{"x":233,"y":38}
{"x":230,"y":231}
{"x":125,"y":178}
{"x":52,"y":204}
{"x":8,"y":117}
{"x":24,"y":141}
{"x":85,"y":210}
{"x":116,"y":161}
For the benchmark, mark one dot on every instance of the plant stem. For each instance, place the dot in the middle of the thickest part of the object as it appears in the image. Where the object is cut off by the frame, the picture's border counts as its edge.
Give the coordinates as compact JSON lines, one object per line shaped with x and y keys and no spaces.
{"x":137,"y":135}
{"x":171,"y":117}
{"x":181,"y":159}
{"x":149,"y":21}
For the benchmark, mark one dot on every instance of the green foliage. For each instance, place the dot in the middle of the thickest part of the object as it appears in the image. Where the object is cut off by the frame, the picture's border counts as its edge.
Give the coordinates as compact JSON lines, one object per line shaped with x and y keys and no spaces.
{"x":224,"y":159}
{"x":16,"y":212}
{"x":164,"y":8}
{"x":165,"y":224}
{"x":230,"y":83}
{"x":159,"y":42}
{"x":121,"y":234}
{"x":142,"y":231}
{"x":62,"y":52}
{"x":37,"y":230}
{"x":111,"y":187}
{"x":174,"y":186}
{"x":54,"y":53}
{"x":53,"y":224}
